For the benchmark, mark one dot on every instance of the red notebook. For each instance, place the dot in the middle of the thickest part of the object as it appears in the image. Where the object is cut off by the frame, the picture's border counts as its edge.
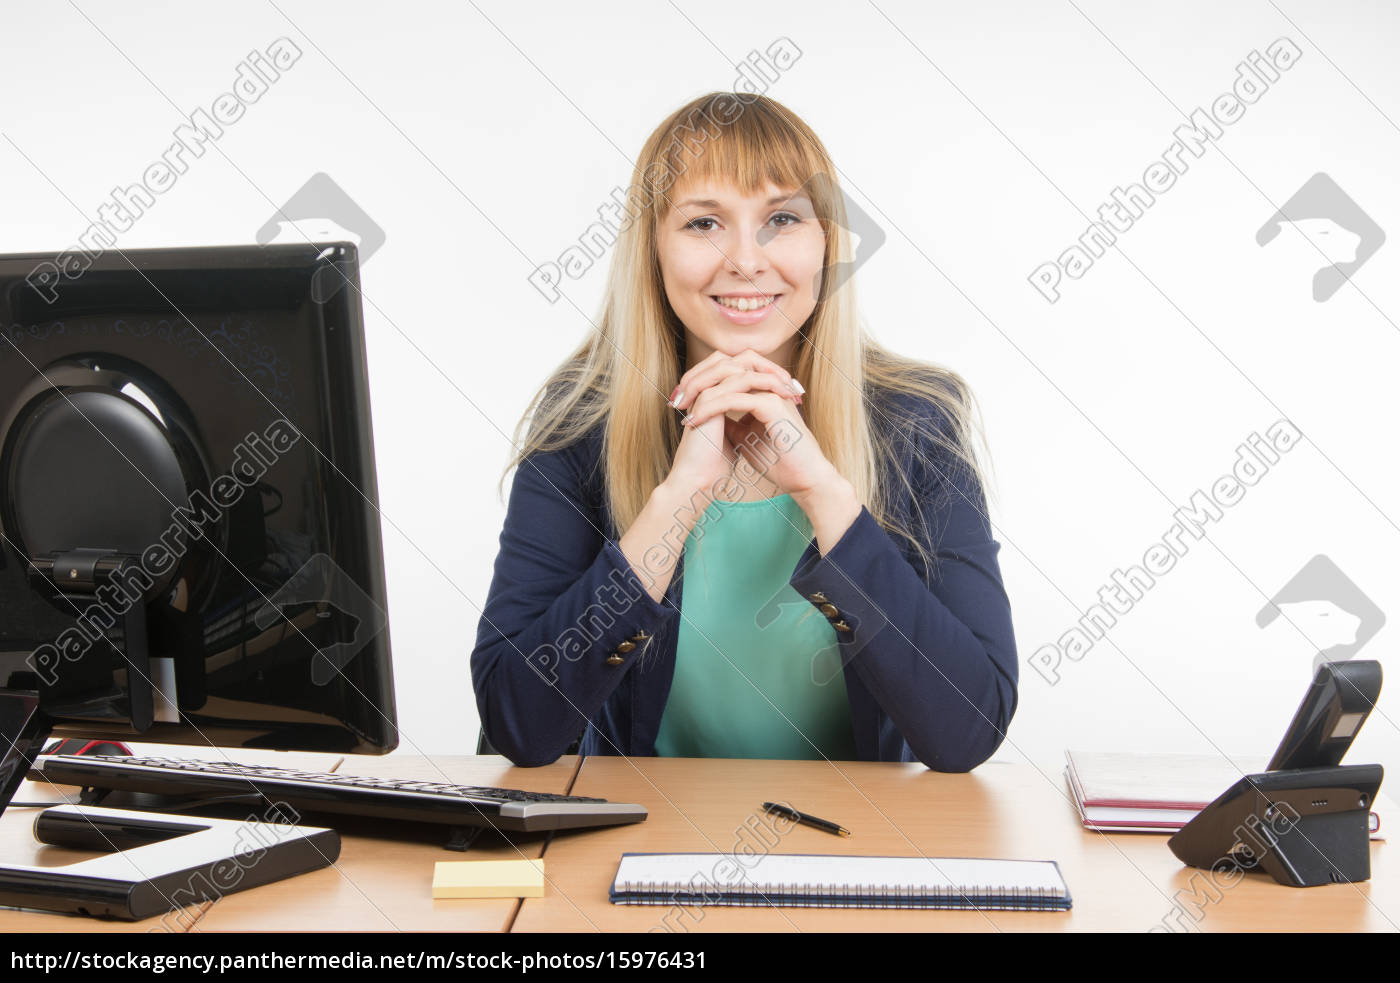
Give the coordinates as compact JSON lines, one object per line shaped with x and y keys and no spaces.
{"x":1122,"y":792}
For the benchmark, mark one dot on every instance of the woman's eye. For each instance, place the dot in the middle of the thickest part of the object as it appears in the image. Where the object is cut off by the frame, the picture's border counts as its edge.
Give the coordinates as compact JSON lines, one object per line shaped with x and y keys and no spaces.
{"x":782,"y":220}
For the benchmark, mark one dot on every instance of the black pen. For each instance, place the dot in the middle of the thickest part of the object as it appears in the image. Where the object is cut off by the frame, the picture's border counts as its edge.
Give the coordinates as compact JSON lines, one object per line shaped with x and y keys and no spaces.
{"x":804,"y":819}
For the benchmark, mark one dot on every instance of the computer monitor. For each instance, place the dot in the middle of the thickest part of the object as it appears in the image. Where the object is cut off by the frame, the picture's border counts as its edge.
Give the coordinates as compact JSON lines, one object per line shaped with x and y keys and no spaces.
{"x":190,"y":547}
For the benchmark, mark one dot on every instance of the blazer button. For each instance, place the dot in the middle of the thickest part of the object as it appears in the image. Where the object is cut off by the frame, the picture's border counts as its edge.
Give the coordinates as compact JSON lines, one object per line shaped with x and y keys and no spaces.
{"x":625,"y":647}
{"x":614,"y":660}
{"x":641,"y":636}
{"x":829,"y":610}
{"x":817,"y":598}
{"x":840,"y":626}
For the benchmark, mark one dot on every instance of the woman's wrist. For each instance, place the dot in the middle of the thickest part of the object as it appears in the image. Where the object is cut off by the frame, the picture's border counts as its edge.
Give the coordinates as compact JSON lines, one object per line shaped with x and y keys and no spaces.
{"x":673,"y":493}
{"x":679,"y":493}
{"x":832,"y":507}
{"x":653,"y":542}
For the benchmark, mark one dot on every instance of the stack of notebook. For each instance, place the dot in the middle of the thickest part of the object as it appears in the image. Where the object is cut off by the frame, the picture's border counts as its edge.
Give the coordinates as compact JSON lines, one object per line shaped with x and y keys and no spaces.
{"x":1122,"y":792}
{"x":811,"y":881}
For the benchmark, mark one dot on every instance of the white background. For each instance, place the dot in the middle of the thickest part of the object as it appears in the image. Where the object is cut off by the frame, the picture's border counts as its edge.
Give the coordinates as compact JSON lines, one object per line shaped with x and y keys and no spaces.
{"x":483,"y":136}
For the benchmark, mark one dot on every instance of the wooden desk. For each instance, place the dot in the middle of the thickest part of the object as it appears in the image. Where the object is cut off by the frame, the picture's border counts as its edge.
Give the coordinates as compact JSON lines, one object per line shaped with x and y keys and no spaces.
{"x":18,"y":846}
{"x":383,"y":879}
{"x":1124,"y":882}
{"x":1120,"y":882}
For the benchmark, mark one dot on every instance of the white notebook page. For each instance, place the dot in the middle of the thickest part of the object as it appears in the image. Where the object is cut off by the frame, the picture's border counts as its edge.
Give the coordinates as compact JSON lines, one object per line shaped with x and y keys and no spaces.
{"x":776,"y":872}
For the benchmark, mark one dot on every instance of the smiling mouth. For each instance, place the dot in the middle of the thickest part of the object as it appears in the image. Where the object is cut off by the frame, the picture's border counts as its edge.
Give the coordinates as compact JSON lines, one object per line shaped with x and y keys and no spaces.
{"x":752,"y":303}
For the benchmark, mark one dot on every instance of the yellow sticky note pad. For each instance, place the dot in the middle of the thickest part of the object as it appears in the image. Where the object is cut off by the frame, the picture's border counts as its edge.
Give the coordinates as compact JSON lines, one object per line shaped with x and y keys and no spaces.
{"x":488,"y":879}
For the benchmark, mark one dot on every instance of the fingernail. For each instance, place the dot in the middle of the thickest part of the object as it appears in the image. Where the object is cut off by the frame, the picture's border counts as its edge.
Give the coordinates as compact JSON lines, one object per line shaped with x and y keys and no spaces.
{"x":676,"y":399}
{"x":796,"y":386}
{"x":685,"y":420}
{"x":672,"y":401}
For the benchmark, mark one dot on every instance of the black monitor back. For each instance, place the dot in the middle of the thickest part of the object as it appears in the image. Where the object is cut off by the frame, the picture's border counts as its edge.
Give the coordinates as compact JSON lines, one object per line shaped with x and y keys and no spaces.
{"x":204,"y":413}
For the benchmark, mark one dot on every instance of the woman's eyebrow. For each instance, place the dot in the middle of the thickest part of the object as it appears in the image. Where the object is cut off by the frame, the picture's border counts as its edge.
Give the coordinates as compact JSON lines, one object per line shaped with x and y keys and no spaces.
{"x":710,"y":203}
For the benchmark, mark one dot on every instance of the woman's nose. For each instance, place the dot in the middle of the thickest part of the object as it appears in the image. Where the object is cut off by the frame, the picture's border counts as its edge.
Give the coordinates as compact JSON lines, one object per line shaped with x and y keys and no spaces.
{"x":747,"y":254}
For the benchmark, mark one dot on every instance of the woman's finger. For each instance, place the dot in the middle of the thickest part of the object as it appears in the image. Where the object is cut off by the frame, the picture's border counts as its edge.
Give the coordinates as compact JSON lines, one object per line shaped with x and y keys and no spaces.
{"x":712,"y":370}
{"x":739,"y":383}
{"x":724,"y":373}
{"x":688,"y":377}
{"x":767,"y":408}
{"x":688,"y":384}
{"x":751,"y":381}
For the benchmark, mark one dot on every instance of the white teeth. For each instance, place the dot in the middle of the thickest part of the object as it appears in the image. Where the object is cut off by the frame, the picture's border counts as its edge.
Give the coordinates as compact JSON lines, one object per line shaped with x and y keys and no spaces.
{"x":745,"y":303}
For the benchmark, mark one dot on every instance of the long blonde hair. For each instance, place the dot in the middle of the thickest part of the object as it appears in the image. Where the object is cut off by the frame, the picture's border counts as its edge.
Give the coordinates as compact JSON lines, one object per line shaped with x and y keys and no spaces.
{"x":624,"y":371}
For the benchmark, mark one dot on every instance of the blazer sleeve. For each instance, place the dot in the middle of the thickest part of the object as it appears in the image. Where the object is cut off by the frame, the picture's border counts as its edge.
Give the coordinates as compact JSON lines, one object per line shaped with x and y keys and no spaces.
{"x":939,"y":660}
{"x":563,"y":599}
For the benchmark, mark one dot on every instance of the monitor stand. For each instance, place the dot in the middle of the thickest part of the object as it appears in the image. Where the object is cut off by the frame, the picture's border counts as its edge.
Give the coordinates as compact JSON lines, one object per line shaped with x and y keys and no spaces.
{"x":154,"y":863}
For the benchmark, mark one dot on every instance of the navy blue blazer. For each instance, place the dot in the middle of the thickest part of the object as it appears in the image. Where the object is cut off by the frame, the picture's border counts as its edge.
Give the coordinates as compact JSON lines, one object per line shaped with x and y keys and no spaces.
{"x":569,"y":638}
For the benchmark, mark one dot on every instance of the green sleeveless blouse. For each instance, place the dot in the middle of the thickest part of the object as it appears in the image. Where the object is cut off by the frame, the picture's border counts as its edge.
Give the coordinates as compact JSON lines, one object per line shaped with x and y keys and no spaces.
{"x":741,"y":691}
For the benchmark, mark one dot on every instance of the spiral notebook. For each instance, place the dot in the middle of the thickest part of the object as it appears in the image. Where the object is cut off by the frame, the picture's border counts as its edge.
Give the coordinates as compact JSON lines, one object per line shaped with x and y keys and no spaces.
{"x":821,"y":881}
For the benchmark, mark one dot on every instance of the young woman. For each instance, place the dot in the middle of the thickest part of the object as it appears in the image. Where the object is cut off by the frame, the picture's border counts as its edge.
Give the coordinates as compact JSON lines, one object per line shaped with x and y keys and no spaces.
{"x":740,"y":527}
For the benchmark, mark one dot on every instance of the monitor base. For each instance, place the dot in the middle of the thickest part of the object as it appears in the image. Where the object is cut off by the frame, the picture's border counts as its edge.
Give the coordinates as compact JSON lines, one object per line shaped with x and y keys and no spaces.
{"x":153,"y":863}
{"x":158,"y":863}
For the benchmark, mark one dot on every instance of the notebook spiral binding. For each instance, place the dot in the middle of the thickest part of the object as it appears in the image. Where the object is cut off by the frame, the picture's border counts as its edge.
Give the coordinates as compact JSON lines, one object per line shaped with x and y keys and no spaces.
{"x":986,"y":897}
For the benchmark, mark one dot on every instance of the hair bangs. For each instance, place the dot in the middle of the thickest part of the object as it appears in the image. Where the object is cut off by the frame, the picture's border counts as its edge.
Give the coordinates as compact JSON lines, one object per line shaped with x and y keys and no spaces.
{"x":720,"y":140}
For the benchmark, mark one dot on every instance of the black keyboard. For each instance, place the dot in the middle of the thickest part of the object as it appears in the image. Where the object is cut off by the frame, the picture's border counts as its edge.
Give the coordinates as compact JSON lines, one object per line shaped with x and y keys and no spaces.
{"x":506,"y":809}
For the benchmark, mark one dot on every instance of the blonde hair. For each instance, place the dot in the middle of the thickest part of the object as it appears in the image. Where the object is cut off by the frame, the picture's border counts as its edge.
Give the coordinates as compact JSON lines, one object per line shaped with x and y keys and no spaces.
{"x":624,"y":371}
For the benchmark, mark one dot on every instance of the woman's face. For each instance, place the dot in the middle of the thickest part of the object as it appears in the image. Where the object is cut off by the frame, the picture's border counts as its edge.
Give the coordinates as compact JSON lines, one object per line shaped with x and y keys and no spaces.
{"x":741,"y":271}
